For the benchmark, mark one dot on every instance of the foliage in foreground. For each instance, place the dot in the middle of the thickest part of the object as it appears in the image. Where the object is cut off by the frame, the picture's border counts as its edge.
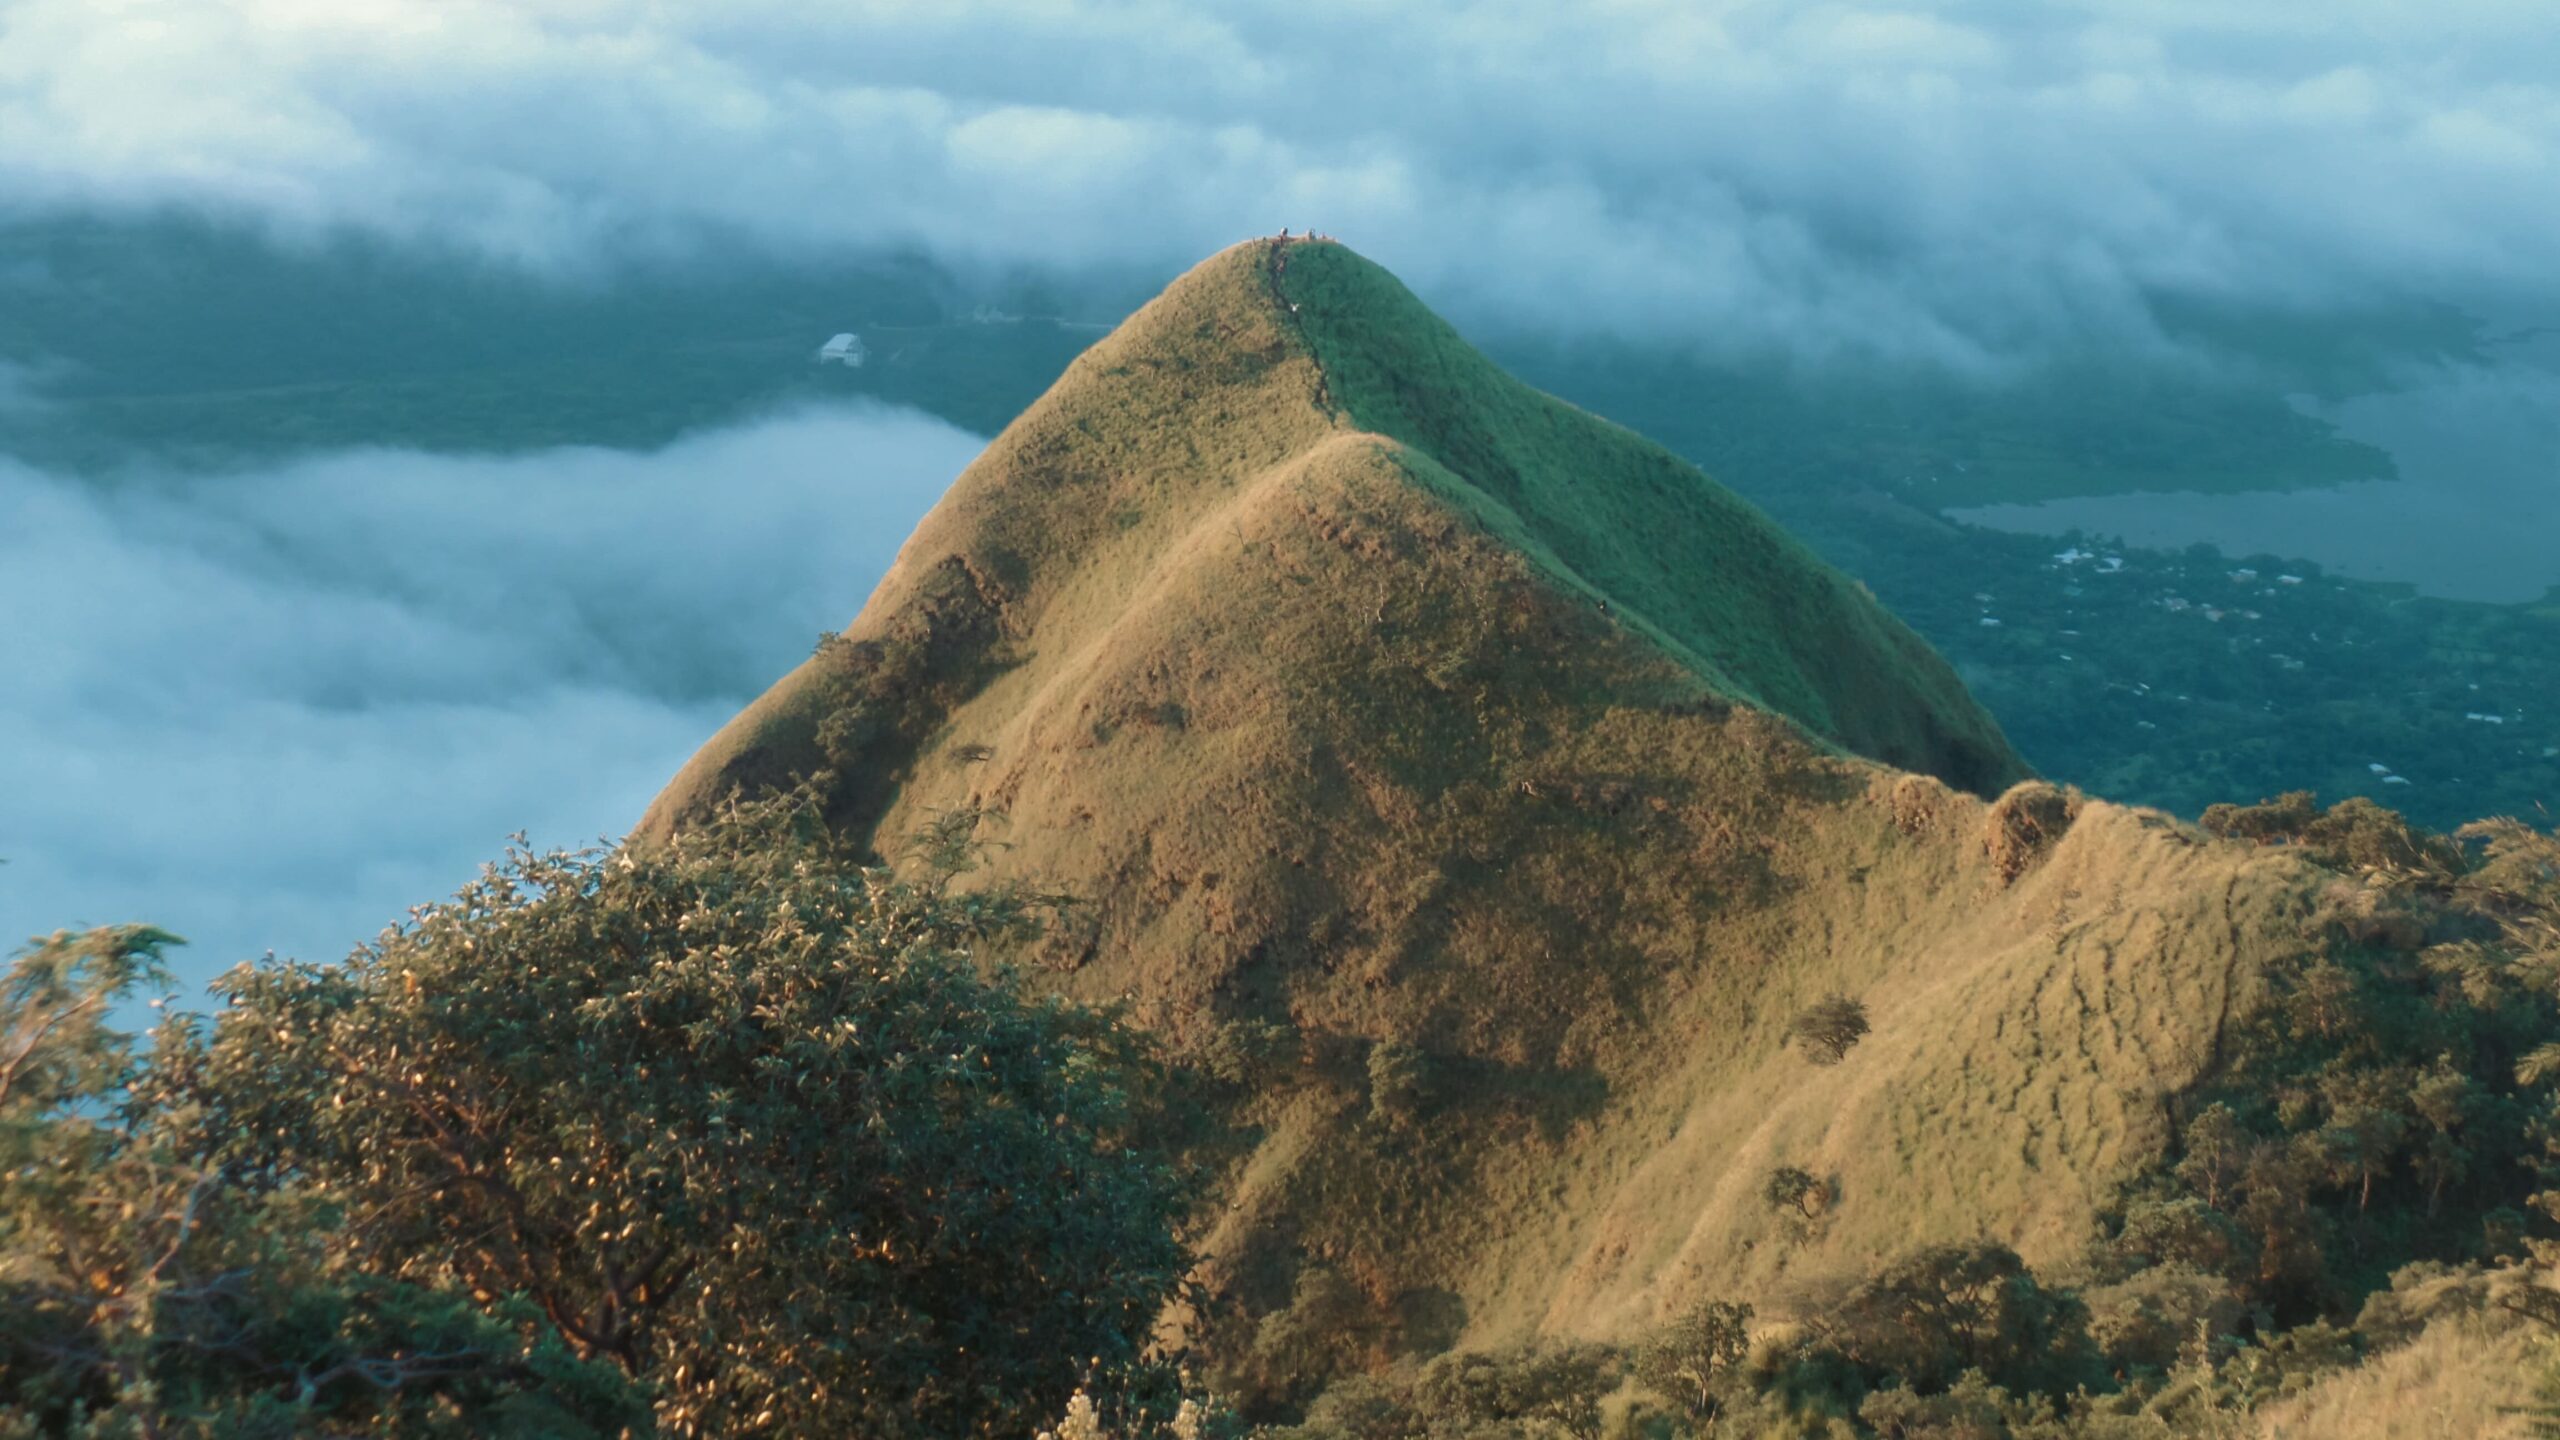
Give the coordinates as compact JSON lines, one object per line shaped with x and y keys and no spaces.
{"x":146,"y":1291}
{"x":729,"y":1122}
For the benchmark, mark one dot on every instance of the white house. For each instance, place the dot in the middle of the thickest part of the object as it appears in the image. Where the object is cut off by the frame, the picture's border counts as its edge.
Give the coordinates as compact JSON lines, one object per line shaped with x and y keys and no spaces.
{"x":846,"y":349}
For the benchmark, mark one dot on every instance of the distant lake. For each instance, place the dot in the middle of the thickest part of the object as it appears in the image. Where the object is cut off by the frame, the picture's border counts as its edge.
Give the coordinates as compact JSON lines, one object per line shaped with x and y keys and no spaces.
{"x":2475,"y":514}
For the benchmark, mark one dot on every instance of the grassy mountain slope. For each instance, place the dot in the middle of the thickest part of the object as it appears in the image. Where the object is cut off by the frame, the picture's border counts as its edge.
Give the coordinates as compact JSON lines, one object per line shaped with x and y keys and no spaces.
{"x":1265,"y":351}
{"x":1693,"y":565}
{"x":1481,"y":791}
{"x":2468,"y":1375}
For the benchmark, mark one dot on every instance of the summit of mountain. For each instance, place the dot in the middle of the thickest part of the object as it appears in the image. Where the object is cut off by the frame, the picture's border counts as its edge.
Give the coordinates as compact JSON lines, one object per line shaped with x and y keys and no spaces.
{"x":1480,"y":790}
{"x":1275,"y":361}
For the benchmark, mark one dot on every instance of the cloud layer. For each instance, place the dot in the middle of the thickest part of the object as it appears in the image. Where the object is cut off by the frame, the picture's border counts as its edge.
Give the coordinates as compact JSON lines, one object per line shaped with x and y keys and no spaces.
{"x":1949,"y":178}
{"x":278,"y":709}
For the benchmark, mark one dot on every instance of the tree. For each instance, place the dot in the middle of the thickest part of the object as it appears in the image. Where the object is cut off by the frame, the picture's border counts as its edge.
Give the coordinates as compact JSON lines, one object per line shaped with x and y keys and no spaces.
{"x":2276,"y":1209}
{"x":146,"y":1292}
{"x":1557,"y":1391}
{"x":1685,"y":1360}
{"x":1938,"y":1312}
{"x":2358,"y":1144}
{"x":1792,"y":1189}
{"x":1828,"y":1028}
{"x":2217,"y":1150}
{"x":736,"y":1115}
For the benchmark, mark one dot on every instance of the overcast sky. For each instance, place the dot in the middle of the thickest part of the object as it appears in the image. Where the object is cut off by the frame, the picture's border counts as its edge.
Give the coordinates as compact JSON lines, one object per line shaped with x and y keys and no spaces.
{"x":1948,"y":178}
{"x":276,"y":709}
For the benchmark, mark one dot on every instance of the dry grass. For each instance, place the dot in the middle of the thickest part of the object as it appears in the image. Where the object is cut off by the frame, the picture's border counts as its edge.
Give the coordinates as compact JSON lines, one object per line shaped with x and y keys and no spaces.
{"x":2461,"y":1379}
{"x":1495,"y":731}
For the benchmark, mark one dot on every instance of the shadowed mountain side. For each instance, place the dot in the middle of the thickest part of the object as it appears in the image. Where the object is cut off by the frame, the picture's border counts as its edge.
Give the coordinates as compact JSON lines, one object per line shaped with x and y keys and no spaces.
{"x":1491,"y":901}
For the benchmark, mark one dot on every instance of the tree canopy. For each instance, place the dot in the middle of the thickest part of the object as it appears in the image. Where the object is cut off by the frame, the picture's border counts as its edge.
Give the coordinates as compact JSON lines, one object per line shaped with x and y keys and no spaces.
{"x":145,"y":1291}
{"x":729,"y":1121}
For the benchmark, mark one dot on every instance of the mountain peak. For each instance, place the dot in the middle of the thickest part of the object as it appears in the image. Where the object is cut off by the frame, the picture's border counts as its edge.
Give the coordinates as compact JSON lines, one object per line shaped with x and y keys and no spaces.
{"x":1364,"y":696}
{"x":1263,"y":361}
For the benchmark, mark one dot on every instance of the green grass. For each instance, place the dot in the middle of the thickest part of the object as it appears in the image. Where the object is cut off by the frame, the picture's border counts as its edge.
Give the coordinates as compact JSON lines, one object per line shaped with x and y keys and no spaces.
{"x":1682,"y":558}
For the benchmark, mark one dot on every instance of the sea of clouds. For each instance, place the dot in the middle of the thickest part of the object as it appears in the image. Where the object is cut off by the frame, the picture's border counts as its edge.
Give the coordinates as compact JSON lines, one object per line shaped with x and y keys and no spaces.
{"x":275,"y":709}
{"x":1951,"y":178}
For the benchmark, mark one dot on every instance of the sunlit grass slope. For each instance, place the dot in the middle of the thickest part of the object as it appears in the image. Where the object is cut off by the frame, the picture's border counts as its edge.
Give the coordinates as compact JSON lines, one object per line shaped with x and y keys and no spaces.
{"x":1370,"y":699}
{"x":2467,"y":1376}
{"x":1264,"y":352}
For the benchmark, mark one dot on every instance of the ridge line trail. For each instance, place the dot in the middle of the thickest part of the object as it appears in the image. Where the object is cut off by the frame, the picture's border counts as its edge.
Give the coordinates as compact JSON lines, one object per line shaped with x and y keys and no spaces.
{"x":1275,"y":271}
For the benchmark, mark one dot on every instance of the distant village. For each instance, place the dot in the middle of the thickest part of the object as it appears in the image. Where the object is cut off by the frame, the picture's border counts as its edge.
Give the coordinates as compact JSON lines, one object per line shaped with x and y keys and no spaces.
{"x":2234,"y":671}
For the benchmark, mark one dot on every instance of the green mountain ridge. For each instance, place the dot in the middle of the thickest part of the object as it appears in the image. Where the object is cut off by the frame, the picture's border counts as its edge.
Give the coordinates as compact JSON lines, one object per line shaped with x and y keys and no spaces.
{"x":1688,"y":562}
{"x":1329,"y":346}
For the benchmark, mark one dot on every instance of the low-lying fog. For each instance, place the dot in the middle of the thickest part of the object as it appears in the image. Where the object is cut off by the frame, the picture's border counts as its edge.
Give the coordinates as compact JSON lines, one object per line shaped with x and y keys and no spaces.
{"x":276,"y":709}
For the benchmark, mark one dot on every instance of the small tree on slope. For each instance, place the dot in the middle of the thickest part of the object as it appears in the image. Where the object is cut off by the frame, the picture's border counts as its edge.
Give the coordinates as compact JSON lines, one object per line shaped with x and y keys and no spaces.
{"x":1686,"y":1360}
{"x":1828,"y":1028}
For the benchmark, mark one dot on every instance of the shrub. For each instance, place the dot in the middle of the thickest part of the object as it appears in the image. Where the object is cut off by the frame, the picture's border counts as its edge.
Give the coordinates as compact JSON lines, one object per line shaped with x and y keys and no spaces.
{"x":1399,"y":1081}
{"x":1971,"y":1409}
{"x":1245,"y":1054}
{"x":1561,"y":1389}
{"x":2286,"y":1363}
{"x":1828,"y":1028}
{"x":735,"y":1115}
{"x":2181,"y":1231}
{"x":1296,"y":1348}
{"x":145,"y":1291}
{"x":1797,"y":1192}
{"x":1936,"y":1313}
{"x":2353,"y":835}
{"x":2025,"y":823}
{"x":2148,"y":1319}
{"x":1687,"y":1361}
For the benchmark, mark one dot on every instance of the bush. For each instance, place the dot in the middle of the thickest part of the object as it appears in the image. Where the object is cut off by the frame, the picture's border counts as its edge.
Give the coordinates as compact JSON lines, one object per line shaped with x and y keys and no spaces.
{"x":2182,"y":1231}
{"x":1828,"y":1028}
{"x":1971,"y":1409}
{"x":2353,"y":835}
{"x":2024,"y":824}
{"x":1687,"y":1361}
{"x":1934,"y":1314}
{"x":1399,"y":1081}
{"x":2286,"y":1363}
{"x":1245,"y":1054}
{"x":1556,"y":1389}
{"x":1297,"y":1348}
{"x":2149,"y":1319}
{"x":1796,"y":1192}
{"x":144,"y":1291}
{"x":738,"y":1117}
{"x":1156,"y":1409}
